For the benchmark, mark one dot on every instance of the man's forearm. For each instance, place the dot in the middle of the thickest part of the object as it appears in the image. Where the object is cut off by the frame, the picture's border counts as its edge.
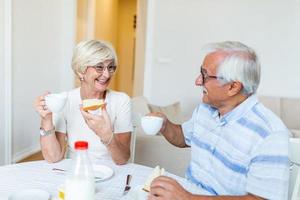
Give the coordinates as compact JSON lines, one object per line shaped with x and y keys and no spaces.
{"x":174,"y":134}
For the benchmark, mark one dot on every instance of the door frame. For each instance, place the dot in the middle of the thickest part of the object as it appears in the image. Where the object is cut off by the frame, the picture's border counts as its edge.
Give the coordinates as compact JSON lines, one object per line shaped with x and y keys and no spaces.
{"x":143,"y":48}
{"x":8,"y":81}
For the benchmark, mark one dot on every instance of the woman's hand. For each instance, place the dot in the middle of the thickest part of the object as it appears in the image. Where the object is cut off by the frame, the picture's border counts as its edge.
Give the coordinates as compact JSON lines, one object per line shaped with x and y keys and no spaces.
{"x":44,"y":112}
{"x":168,"y":189}
{"x":41,"y":108}
{"x":100,"y":124}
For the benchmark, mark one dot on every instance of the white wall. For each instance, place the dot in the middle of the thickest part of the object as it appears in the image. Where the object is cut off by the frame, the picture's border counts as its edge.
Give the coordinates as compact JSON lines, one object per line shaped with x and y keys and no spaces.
{"x":43,"y":39}
{"x":2,"y":146}
{"x":179,"y":28}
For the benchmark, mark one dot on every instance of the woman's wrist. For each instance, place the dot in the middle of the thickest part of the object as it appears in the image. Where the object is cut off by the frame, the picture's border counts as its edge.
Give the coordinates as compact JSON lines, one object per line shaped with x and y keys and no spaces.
{"x":46,"y":125}
{"x":107,"y":141}
{"x":47,"y":117}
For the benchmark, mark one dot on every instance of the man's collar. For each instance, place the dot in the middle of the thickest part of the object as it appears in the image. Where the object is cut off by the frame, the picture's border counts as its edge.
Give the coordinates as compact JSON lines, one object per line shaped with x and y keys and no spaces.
{"x":237,"y":112}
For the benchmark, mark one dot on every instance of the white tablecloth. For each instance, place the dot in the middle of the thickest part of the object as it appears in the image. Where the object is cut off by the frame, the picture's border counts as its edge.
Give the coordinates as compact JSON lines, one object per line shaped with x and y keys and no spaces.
{"x":39,"y":175}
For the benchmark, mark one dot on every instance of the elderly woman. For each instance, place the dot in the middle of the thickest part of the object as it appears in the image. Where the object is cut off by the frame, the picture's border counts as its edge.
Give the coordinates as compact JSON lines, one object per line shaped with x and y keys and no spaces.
{"x":94,"y":62}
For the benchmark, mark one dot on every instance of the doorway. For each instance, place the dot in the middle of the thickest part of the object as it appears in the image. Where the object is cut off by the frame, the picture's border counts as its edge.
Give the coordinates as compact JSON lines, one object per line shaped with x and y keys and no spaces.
{"x":113,"y":21}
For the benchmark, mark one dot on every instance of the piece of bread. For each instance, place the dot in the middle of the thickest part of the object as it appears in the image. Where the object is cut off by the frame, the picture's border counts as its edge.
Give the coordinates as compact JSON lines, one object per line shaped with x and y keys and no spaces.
{"x":92,"y":104}
{"x":155,"y":173}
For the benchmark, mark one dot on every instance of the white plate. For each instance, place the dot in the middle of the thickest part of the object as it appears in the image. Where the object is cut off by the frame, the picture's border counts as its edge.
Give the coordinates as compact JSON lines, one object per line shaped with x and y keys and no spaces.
{"x":137,"y":193}
{"x":30,"y":194}
{"x":103,"y":172}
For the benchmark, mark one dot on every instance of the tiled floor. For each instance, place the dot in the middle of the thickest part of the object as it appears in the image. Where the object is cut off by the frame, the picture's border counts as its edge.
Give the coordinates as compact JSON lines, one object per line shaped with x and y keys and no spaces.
{"x":33,"y":157}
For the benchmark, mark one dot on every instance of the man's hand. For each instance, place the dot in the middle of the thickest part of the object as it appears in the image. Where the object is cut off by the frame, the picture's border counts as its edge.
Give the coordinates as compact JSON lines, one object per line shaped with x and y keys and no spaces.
{"x":165,"y":188}
{"x":159,"y":114}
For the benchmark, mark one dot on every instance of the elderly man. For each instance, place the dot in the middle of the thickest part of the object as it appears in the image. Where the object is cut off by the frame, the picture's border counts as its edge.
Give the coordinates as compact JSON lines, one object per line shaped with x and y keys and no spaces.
{"x":239,"y":148}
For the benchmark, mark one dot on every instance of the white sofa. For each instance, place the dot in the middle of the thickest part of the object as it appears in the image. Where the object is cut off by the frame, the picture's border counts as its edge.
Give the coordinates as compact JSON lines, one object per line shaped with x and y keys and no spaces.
{"x":288,"y":109}
{"x":155,"y":150}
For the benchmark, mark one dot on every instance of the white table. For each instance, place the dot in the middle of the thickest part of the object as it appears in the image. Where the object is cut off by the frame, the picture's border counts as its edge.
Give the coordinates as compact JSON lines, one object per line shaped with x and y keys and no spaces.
{"x":39,"y":175}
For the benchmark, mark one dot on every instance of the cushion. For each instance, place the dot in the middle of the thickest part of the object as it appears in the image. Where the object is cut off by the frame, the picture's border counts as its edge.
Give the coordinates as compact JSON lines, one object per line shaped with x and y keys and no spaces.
{"x":173,"y":111}
{"x":296,"y":133}
{"x":140,"y":105}
{"x":273,"y":103}
{"x":156,"y":150}
{"x":290,"y":112}
{"x":139,"y":109}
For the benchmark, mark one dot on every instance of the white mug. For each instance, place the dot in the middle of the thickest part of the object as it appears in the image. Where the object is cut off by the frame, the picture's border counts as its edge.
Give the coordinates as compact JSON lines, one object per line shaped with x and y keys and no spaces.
{"x":56,"y":102}
{"x":151,"y":124}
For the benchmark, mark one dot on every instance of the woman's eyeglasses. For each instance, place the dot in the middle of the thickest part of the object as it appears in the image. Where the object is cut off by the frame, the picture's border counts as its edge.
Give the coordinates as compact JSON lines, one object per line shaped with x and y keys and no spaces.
{"x":100,"y":68}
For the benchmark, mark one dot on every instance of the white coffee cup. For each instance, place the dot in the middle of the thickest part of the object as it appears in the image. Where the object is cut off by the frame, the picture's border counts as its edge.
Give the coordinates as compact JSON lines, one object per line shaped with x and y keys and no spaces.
{"x":151,"y":124}
{"x":56,"y":102}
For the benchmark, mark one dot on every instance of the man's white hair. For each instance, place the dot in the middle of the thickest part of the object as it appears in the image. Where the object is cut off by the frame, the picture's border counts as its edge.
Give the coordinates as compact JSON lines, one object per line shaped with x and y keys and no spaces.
{"x":240,"y":64}
{"x":90,"y":53}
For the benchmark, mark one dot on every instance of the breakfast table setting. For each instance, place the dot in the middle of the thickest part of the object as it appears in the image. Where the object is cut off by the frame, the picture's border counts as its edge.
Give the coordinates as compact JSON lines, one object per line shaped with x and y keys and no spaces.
{"x":46,"y":180}
{"x":41,"y":180}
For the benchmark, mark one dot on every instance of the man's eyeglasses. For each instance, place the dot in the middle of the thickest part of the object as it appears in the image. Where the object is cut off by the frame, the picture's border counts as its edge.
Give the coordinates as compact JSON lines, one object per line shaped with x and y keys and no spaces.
{"x":205,"y":76}
{"x":100,"y":68}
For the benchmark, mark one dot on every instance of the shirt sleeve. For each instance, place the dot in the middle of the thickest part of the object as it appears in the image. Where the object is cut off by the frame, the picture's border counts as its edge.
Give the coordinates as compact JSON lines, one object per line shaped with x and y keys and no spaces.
{"x":188,"y":128}
{"x":123,"y":122}
{"x":268,"y":173}
{"x":59,"y":122}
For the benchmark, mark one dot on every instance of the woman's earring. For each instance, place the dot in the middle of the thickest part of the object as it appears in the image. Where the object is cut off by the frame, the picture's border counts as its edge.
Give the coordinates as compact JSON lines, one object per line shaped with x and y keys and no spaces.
{"x":81,"y":79}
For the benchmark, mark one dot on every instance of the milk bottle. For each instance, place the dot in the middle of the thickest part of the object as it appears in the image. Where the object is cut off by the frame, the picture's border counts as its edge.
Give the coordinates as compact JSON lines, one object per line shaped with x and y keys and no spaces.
{"x":80,"y":183}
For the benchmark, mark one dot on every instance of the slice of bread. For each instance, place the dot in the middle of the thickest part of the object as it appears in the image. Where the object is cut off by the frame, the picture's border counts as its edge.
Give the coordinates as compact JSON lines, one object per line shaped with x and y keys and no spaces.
{"x":92,"y":104}
{"x":155,"y":173}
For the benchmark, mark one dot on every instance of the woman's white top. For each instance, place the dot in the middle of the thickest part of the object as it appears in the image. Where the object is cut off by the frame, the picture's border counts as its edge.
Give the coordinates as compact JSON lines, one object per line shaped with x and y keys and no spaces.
{"x":71,"y":122}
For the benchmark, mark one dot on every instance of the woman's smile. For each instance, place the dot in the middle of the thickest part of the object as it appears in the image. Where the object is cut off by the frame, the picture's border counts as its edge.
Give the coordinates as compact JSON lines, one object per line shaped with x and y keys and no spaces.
{"x":102,"y":82}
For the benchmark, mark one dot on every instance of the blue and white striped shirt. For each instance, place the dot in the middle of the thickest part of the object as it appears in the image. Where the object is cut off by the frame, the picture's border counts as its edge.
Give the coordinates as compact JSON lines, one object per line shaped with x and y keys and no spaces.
{"x":244,"y":151}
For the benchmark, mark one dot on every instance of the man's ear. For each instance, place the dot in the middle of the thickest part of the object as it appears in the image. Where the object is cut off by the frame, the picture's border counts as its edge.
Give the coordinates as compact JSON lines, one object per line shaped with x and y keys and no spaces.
{"x":235,"y":87}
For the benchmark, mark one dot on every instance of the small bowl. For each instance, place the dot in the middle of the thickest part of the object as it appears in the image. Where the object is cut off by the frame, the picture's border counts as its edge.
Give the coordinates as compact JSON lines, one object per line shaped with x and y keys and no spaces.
{"x":151,"y":124}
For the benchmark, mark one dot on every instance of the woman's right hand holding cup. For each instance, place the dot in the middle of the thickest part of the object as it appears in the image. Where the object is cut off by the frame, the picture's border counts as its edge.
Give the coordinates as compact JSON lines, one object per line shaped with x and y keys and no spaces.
{"x":41,"y":107}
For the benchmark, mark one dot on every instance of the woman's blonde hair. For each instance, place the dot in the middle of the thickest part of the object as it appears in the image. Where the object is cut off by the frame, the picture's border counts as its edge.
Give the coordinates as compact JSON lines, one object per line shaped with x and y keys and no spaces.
{"x":90,"y":53}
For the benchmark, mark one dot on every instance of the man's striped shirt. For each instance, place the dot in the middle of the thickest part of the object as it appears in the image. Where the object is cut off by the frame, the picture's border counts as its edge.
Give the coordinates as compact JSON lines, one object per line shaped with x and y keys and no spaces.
{"x":244,"y":151}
